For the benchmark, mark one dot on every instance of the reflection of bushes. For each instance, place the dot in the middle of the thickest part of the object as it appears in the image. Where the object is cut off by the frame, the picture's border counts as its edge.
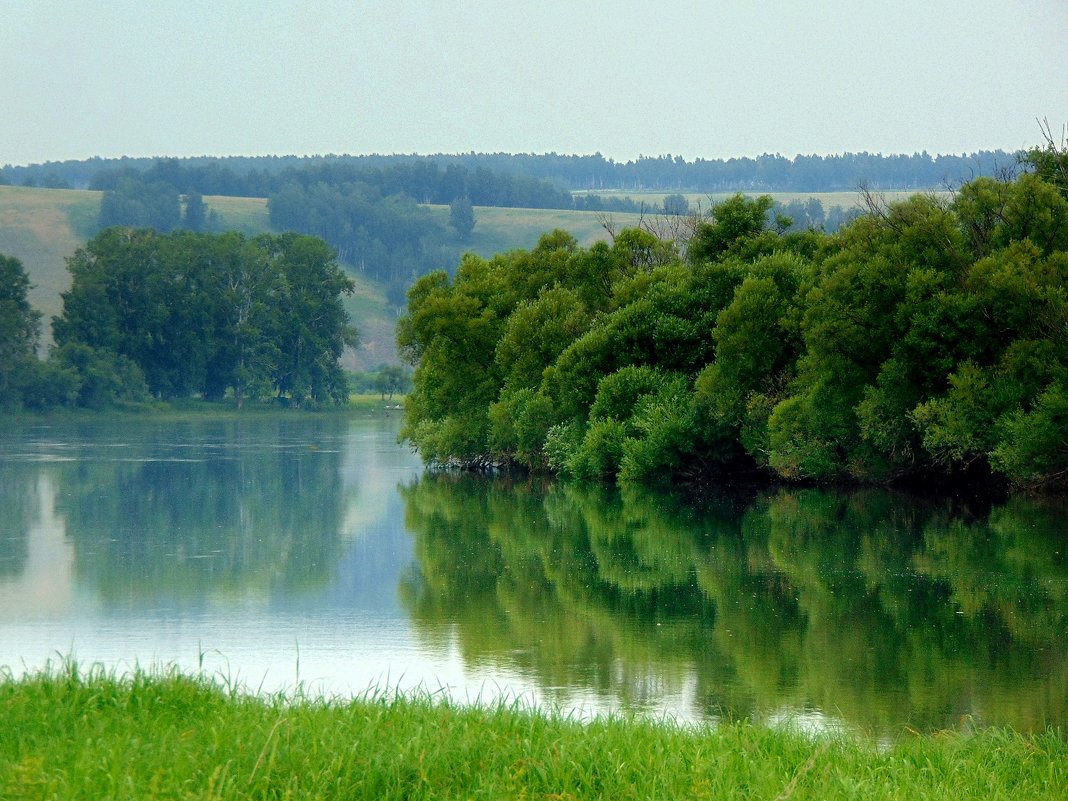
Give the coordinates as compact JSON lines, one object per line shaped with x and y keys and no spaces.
{"x":873,"y":604}
{"x":18,"y":492}
{"x":246,"y":503}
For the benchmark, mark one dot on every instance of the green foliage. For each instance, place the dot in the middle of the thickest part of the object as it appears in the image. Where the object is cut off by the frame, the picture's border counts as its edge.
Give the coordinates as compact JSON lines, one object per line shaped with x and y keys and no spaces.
{"x":101,"y":378}
{"x":735,"y":224}
{"x":912,"y":341}
{"x":757,"y":340}
{"x":19,"y":327}
{"x":613,"y":420}
{"x":495,"y":326}
{"x":138,"y":203}
{"x":195,"y":214}
{"x":462,"y":217}
{"x":1032,"y":448}
{"x":386,"y":379}
{"x":676,"y":205}
{"x":387,"y":236}
{"x":202,"y":314}
{"x":197,"y":739}
{"x":666,"y":433}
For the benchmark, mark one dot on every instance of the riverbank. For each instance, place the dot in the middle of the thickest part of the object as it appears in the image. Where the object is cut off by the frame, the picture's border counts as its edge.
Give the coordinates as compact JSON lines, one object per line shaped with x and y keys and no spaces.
{"x":194,"y":408}
{"x":71,"y":734}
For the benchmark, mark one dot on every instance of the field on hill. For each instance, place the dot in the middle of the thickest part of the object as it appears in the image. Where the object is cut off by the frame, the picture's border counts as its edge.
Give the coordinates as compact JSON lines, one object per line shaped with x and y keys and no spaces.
{"x":497,"y":230}
{"x":41,"y":228}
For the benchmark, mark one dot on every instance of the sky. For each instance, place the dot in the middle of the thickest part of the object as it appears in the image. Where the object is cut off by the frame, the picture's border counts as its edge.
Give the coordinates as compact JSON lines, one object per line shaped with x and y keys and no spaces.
{"x":693,"y":79}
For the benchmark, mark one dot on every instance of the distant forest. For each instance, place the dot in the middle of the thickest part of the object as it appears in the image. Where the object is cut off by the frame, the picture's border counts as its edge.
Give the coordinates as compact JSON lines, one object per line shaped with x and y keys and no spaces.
{"x":533,"y":180}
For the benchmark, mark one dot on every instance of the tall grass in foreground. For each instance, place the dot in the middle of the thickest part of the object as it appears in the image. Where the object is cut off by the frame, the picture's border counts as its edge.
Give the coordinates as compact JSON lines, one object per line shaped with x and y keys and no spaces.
{"x":69,"y":734}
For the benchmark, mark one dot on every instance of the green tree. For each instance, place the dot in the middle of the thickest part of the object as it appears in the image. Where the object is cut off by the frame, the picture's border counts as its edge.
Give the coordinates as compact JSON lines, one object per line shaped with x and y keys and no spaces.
{"x":137,"y":203}
{"x":195,"y":215}
{"x":19,"y":327}
{"x":99,"y":378}
{"x":390,"y":380}
{"x":462,"y":217}
{"x":206,"y":314}
{"x":306,"y":321}
{"x":676,"y":205}
{"x":1050,"y":160}
{"x":735,"y":222}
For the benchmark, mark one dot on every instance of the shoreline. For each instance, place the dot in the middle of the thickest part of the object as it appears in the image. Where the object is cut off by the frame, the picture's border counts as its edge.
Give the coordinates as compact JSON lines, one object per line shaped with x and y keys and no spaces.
{"x":95,"y":734}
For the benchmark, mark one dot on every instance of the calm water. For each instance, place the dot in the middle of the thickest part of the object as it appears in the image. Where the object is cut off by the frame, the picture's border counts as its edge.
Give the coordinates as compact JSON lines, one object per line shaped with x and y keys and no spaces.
{"x":278,"y":551}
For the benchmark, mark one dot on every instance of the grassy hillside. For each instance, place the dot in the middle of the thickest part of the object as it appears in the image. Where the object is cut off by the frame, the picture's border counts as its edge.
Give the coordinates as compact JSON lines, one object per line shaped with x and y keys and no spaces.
{"x":41,"y":228}
{"x":497,"y":230}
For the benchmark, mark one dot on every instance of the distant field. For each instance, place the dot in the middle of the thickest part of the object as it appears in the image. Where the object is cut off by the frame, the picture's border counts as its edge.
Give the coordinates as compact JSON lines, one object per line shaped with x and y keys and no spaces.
{"x":41,"y":228}
{"x":497,"y":230}
{"x":704,"y":199}
{"x":245,"y":214}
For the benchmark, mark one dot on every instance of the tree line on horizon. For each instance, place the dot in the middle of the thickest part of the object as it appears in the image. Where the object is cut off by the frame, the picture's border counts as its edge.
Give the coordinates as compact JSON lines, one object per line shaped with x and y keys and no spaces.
{"x":925,"y":340}
{"x":526,"y":179}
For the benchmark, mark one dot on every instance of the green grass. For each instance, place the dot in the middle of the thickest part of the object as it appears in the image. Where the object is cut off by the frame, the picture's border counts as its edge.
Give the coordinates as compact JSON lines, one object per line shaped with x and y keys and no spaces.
{"x":73,"y":734}
{"x":497,"y":230}
{"x":245,"y":214}
{"x":41,"y":228}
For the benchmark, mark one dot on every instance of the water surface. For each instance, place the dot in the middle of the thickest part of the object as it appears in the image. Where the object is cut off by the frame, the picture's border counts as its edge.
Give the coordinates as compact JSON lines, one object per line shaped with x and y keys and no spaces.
{"x":276,"y":551}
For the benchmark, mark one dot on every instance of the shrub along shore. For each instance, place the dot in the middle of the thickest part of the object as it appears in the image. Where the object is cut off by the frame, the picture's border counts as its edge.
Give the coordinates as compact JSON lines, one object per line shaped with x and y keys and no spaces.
{"x":926,"y":342}
{"x":69,"y":733}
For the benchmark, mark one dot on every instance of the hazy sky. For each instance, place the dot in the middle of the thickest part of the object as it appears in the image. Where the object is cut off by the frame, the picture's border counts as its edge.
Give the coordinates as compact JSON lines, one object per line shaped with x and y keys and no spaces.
{"x":711,"y":79}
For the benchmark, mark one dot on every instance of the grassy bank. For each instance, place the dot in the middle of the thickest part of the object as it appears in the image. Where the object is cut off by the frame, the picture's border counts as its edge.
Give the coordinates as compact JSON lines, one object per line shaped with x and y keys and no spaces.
{"x":69,"y":735}
{"x":197,"y":409}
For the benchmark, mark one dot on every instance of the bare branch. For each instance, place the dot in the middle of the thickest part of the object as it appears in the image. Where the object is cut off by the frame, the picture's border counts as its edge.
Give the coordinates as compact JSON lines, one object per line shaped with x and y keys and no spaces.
{"x":607,"y":223}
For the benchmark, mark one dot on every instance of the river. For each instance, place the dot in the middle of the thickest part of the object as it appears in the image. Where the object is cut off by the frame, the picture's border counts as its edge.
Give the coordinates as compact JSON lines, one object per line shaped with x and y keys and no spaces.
{"x":286,"y":552}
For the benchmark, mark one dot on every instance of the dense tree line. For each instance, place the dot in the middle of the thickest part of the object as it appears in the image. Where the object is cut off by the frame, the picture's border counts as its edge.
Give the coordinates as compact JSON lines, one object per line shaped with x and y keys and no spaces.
{"x":530,"y":178}
{"x":138,"y":203}
{"x":422,"y":180}
{"x":929,"y":338}
{"x":391,"y":239}
{"x":182,"y":315}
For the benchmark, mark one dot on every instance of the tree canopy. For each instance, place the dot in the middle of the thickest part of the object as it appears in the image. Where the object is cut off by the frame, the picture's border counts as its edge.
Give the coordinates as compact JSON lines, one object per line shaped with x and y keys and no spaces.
{"x":18,"y":328}
{"x":527,"y":179}
{"x":212,"y":314}
{"x":928,"y":338}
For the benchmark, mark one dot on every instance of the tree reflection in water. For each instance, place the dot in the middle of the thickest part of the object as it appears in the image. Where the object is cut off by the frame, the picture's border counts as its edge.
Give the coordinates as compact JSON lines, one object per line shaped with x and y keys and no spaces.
{"x":872,"y":606}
